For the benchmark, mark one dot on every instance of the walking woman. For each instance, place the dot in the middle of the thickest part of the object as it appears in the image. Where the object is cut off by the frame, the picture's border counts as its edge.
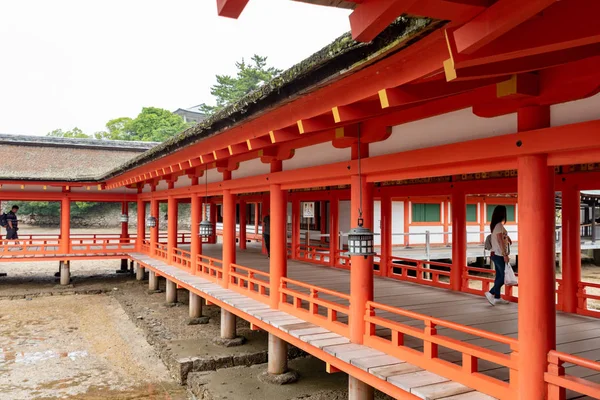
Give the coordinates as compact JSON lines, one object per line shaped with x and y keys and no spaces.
{"x":500,"y":257}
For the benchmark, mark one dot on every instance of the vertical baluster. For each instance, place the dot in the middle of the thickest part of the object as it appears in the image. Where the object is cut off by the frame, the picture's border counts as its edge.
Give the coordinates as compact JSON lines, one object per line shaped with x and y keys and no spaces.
{"x":430,"y":348}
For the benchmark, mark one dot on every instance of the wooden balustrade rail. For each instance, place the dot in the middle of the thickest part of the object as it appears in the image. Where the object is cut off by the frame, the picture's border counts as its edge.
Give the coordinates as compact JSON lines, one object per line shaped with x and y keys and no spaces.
{"x":307,"y":306}
{"x":468,"y":373}
{"x":559,"y":382}
{"x":250,"y":282}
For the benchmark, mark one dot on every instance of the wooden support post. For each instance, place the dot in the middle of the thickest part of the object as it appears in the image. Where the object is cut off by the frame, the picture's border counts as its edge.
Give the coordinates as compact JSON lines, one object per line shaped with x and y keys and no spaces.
{"x":152,"y":281}
{"x":141,"y":224}
{"x":65,"y":273}
{"x":65,"y":225}
{"x":228,"y":234}
{"x":571,"y":249}
{"x":386,"y":235}
{"x":195,"y":240}
{"x":459,"y":239}
{"x":139,"y":273}
{"x":154,"y":210}
{"x":537,"y":315}
{"x":278,"y":260}
{"x":171,"y":227}
{"x":358,"y":390}
{"x":334,"y":229}
{"x":278,"y":353}
{"x":361,"y":272}
{"x":195,"y":306}
{"x":266,"y":210}
{"x":171,"y":293}
{"x":243,"y":207}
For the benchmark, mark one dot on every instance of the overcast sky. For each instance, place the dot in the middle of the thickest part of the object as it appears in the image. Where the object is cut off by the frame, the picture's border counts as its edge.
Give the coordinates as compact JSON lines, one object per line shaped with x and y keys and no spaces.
{"x":80,"y":63}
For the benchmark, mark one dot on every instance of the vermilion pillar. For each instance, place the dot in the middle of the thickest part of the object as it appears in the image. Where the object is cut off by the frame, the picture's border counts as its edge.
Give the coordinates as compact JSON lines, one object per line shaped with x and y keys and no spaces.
{"x":195,"y":241}
{"x":171,"y":227}
{"x":65,"y":225}
{"x":278,"y":260}
{"x":386,"y":235}
{"x":334,"y":229}
{"x":154,"y":231}
{"x":537,"y":315}
{"x":228,"y":234}
{"x":571,"y":248}
{"x":361,"y":271}
{"x":243,"y":206}
{"x":295,"y":227}
{"x":459,"y":239}
{"x":141,"y":226}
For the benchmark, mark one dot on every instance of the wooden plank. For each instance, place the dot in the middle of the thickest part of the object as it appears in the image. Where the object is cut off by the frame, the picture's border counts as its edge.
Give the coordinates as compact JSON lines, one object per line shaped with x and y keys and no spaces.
{"x":335,"y":350}
{"x":348,"y":356}
{"x":307,"y":331}
{"x":440,"y":390}
{"x":393,"y":370}
{"x":323,"y":343}
{"x":367,"y":363}
{"x":470,"y":396}
{"x":415,"y":379}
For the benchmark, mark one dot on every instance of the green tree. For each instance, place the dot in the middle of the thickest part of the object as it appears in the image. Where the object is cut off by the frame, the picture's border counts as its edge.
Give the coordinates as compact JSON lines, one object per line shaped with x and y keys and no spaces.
{"x":116,"y":129}
{"x":250,"y":76}
{"x":73,"y":133}
{"x":151,"y":125}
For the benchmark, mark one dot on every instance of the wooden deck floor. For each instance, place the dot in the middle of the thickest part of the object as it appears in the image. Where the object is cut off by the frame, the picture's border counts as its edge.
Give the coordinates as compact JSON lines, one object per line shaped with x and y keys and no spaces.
{"x":576,"y":334}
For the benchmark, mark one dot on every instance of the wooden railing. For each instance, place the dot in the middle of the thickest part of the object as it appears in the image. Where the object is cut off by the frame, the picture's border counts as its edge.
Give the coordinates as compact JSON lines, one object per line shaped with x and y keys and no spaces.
{"x":209,"y":268}
{"x":420,"y":271}
{"x":342,"y":259}
{"x":98,"y":245}
{"x":428,"y":358}
{"x":183,"y":259}
{"x":250,"y":282}
{"x":161,"y":251}
{"x":30,"y":247}
{"x":314,"y":254}
{"x":559,"y":382}
{"x":146,"y":246}
{"x":484,"y":277}
{"x":583,"y":297}
{"x":305,"y":303}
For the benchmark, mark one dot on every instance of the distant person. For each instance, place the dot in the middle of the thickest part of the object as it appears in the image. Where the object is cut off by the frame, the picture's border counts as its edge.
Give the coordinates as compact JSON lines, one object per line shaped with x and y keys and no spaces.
{"x":267,"y":235}
{"x":12,"y":224}
{"x":500,"y":253}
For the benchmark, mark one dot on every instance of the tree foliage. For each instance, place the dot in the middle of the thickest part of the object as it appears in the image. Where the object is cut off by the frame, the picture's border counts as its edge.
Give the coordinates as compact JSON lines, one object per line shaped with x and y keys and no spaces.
{"x":250,"y":76}
{"x":151,"y":125}
{"x":73,"y":133}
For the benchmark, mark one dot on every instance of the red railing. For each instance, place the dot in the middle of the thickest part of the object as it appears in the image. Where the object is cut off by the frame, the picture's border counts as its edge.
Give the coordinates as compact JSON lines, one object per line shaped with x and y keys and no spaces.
{"x":209,"y":268}
{"x":559,"y":382}
{"x":250,"y":282}
{"x":161,"y":251}
{"x":307,"y":305}
{"x":583,"y":296}
{"x":30,"y":247}
{"x":314,"y":254}
{"x":429,"y":273}
{"x":97,"y":245}
{"x":183,"y":259}
{"x":428,"y":358}
{"x":146,"y":246}
{"x":342,"y":259}
{"x":485,"y":278}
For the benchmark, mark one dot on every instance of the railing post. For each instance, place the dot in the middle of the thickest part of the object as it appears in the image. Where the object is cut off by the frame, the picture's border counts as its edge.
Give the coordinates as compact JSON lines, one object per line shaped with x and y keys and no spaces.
{"x":154,"y":210}
{"x":430,"y":349}
{"x":334,"y":236}
{"x":555,"y":368}
{"x":459,"y":240}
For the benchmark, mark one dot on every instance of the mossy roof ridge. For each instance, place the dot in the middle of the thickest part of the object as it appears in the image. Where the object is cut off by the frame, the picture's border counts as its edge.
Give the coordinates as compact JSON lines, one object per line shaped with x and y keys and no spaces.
{"x":343,"y":55}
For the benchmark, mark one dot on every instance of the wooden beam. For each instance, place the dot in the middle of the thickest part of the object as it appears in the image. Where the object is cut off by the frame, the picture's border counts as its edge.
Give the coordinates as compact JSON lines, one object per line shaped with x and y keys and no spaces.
{"x":315,"y":124}
{"x":519,"y":85}
{"x":498,"y":19}
{"x":231,"y":8}
{"x":356,"y":111}
{"x":283,"y":135}
{"x":372,"y":16}
{"x":415,"y":93}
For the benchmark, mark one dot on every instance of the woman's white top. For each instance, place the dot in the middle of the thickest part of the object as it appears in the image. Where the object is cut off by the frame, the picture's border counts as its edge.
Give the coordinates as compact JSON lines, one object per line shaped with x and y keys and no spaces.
{"x":499,"y":246}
